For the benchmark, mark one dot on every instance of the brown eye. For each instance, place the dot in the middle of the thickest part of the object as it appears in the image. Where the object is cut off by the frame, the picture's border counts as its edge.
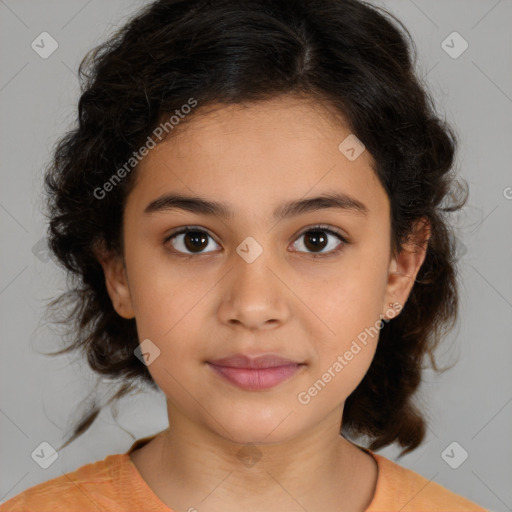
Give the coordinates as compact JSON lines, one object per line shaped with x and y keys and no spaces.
{"x":318,"y":238}
{"x":190,"y":241}
{"x":315,"y":240}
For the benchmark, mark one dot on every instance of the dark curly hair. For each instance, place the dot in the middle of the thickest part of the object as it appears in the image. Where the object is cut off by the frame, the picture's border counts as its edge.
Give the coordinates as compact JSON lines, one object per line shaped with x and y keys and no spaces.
{"x":351,"y":56}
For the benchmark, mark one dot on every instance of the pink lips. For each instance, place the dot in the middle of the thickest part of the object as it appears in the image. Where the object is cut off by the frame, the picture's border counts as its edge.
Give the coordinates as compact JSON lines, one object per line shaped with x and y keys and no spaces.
{"x":255,"y":373}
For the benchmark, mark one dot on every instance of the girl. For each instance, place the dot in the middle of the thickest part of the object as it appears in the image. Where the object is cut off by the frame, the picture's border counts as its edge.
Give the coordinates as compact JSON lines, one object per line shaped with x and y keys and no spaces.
{"x":253,"y":203}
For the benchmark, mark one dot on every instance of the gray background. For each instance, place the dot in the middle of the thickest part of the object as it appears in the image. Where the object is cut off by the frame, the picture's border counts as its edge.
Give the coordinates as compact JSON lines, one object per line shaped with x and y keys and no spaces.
{"x":470,"y":404}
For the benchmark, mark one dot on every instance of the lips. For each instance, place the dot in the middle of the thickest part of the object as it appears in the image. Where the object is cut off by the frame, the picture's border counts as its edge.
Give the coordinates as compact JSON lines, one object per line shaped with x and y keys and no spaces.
{"x":243,"y":361}
{"x":255,"y":373}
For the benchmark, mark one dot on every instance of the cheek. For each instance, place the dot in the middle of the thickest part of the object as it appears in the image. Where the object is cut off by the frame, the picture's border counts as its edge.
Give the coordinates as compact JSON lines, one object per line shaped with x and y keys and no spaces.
{"x":342,"y":362}
{"x":351,"y":301}
{"x":337,"y":380}
{"x":162,"y":296}
{"x":349,"y":310}
{"x":167,"y":312}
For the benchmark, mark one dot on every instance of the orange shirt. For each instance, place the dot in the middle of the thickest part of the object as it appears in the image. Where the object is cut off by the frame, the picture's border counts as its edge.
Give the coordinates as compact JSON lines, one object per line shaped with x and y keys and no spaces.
{"x":115,"y":485}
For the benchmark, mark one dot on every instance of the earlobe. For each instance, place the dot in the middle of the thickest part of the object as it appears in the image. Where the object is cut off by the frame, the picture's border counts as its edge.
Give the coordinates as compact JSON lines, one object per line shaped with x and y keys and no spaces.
{"x":404,"y":267}
{"x":116,"y":283}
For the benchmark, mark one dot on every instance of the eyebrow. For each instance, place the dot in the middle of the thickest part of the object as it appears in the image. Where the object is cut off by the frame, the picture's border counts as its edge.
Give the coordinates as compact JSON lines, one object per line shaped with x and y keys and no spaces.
{"x":203,"y":206}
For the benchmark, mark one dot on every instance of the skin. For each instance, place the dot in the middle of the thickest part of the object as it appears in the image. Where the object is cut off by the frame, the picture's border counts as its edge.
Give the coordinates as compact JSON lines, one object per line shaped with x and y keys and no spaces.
{"x":198,"y":308}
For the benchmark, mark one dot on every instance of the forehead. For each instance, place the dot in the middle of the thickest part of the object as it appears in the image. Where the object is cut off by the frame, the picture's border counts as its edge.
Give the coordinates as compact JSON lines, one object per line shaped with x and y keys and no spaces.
{"x":258,"y":155}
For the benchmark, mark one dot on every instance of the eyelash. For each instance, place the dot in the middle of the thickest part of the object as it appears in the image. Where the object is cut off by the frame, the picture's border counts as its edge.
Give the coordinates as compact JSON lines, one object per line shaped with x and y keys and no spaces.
{"x":319,"y":227}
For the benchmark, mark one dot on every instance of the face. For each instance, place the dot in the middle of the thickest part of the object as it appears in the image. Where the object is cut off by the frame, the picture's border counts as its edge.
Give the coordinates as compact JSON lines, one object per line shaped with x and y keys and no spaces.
{"x":263,"y":280}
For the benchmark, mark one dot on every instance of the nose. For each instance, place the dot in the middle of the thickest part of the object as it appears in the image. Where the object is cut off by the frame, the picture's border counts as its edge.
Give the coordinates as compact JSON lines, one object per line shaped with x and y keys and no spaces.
{"x":254,"y":295}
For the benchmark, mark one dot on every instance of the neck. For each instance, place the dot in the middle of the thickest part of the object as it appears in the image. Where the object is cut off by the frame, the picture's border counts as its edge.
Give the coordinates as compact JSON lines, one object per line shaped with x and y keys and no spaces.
{"x":193,"y":467}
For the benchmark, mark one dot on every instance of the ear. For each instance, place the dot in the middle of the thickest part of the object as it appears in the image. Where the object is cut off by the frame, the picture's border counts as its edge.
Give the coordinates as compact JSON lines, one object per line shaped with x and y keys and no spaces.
{"x":116,"y":282}
{"x":404,"y":268}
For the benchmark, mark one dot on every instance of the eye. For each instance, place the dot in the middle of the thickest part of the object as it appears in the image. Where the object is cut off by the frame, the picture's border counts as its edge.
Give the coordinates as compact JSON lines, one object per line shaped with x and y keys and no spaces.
{"x":317,"y":238}
{"x":189,"y":239}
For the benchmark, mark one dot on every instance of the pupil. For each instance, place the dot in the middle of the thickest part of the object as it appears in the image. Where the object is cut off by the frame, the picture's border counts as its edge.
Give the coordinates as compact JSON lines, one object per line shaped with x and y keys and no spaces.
{"x":197,"y":240}
{"x":315,"y":236}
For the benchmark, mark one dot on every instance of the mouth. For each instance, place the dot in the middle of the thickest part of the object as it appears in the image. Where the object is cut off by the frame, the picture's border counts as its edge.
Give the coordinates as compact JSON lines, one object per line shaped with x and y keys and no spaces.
{"x":255,"y":373}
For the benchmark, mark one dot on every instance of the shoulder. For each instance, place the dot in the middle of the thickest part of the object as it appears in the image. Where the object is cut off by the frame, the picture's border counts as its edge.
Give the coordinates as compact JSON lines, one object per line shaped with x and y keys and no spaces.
{"x":90,"y":487}
{"x":399,"y":488}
